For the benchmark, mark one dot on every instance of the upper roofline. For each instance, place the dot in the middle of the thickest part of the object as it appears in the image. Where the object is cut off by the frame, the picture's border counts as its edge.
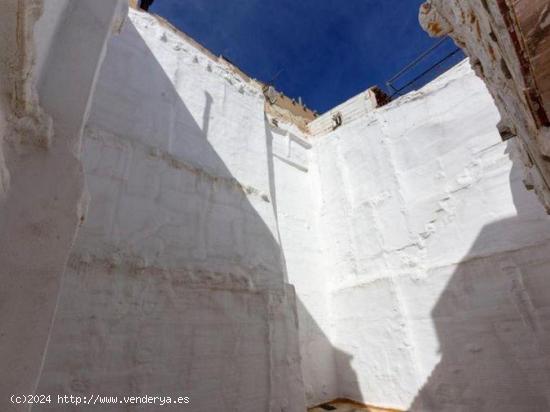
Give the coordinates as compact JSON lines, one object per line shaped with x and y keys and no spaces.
{"x":294,"y":107}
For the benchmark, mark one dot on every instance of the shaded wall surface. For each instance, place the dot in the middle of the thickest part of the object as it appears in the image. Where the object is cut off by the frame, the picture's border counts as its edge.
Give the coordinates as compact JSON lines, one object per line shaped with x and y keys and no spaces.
{"x":439,"y":298}
{"x":176,"y":285}
{"x":48,"y":73}
{"x":507,"y":43}
{"x":416,"y":256}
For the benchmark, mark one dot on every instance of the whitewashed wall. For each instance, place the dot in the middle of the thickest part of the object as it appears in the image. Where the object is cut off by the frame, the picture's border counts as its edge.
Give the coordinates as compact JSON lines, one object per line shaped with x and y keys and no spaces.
{"x":439,"y":298}
{"x":297,"y":192}
{"x":417,"y":256}
{"x":50,"y":57}
{"x":177,"y":284}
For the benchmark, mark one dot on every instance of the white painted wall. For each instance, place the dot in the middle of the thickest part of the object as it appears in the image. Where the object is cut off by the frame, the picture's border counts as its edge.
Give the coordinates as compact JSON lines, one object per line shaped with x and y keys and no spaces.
{"x":41,"y":177}
{"x":297,"y":192}
{"x":54,"y":12}
{"x":176,"y":285}
{"x":417,"y":257}
{"x":437,"y":253}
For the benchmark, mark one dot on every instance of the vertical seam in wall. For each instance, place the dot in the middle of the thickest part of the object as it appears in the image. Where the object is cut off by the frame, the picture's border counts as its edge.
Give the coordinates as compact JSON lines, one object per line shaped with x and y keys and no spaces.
{"x":375,"y":213}
{"x":344,"y":176}
{"x":273,"y":193}
{"x":116,"y":9}
{"x":402,"y":307}
{"x":315,"y":176}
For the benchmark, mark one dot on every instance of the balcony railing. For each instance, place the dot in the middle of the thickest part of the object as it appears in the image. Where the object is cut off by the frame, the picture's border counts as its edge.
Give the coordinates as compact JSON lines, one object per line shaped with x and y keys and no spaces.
{"x":433,"y":62}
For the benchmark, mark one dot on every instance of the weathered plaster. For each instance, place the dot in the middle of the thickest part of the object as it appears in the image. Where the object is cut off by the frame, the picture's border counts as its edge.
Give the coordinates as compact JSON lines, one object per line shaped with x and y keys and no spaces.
{"x":231,"y":254}
{"x":498,"y":38}
{"x":43,"y":200}
{"x":177,"y":283}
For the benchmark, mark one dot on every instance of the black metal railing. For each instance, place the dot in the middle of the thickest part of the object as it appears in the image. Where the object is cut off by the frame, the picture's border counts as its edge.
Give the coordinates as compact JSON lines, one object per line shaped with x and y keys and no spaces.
{"x":436,"y":60}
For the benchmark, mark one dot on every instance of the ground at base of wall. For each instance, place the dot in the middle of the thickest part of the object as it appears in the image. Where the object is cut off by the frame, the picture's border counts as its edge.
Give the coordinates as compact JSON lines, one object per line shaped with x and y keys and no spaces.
{"x":344,"y":405}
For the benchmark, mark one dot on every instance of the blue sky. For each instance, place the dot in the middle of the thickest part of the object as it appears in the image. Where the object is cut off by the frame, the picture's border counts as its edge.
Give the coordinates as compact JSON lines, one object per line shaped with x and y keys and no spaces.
{"x":327,"y":52}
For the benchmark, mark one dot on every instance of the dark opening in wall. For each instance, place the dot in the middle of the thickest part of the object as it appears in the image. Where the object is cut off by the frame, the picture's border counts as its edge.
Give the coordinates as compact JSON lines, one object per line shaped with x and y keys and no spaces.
{"x":145,"y":4}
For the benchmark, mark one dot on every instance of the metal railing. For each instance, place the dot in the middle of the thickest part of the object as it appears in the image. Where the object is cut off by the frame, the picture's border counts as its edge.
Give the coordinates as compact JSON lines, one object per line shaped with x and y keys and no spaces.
{"x":414,"y":68}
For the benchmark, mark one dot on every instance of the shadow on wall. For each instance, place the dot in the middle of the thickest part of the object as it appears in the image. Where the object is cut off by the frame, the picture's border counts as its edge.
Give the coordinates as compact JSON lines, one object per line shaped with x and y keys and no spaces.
{"x":160,"y":306}
{"x":156,"y":297}
{"x":492,"y":323}
{"x":318,"y":350}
